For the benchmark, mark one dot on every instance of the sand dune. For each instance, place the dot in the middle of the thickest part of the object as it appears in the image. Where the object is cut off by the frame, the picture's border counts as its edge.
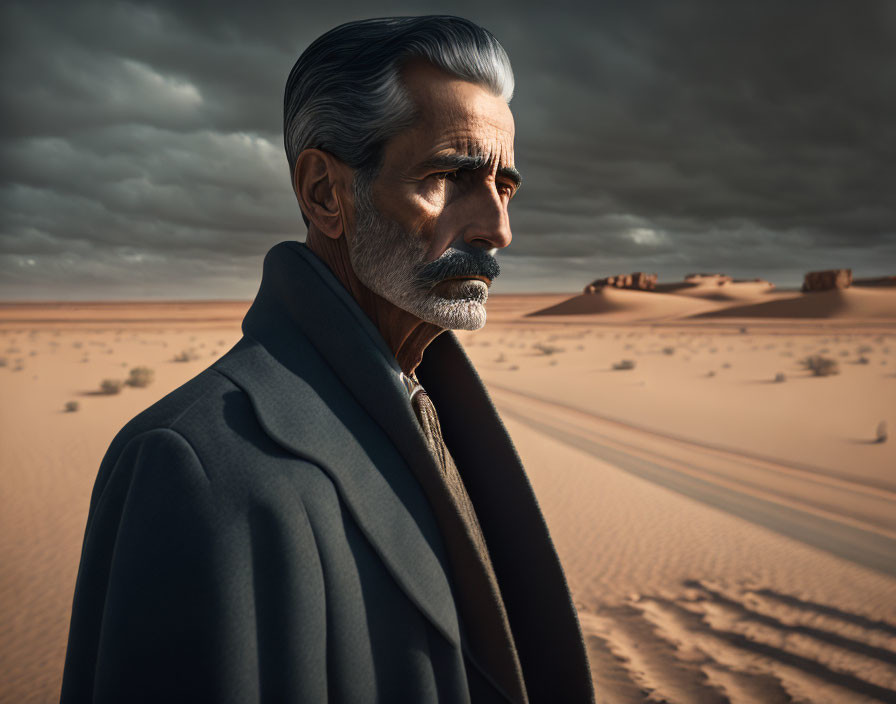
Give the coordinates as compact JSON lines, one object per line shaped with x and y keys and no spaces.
{"x":726,"y":537}
{"x":708,"y":299}
{"x":726,"y":291}
{"x":851,"y":303}
{"x":622,"y":304}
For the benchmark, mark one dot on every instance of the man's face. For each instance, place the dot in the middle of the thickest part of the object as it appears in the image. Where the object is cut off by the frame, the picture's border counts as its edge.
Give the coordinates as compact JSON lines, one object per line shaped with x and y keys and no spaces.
{"x":427,"y":228}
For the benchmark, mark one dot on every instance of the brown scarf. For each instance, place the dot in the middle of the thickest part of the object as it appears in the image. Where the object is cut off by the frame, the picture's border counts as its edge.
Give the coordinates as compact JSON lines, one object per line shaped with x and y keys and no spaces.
{"x":484,"y":619}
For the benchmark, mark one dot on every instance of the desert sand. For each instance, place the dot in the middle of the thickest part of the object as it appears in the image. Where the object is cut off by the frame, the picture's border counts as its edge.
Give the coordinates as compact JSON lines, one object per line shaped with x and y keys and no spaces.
{"x":727,"y":536}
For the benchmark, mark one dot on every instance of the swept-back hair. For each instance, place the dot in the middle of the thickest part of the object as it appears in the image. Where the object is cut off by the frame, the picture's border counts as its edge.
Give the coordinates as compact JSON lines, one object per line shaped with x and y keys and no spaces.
{"x":344,"y":94}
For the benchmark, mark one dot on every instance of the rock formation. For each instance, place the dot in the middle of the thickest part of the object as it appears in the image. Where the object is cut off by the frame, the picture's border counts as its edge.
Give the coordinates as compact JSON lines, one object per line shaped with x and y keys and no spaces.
{"x":637,"y":280}
{"x":827,"y":280}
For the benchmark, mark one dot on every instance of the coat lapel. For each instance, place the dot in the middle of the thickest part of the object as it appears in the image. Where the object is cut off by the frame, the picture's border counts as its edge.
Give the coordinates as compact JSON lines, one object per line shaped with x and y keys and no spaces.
{"x":306,"y":338}
{"x":533,"y":586}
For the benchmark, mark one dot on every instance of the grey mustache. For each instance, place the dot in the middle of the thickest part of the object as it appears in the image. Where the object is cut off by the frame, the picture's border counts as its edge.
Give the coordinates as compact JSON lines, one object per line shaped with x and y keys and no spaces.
{"x":459,"y":263}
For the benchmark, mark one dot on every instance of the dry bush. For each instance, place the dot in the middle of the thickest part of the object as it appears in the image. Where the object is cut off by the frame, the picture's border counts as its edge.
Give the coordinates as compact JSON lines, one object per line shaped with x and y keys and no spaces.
{"x":862,"y":360}
{"x":668,"y":350}
{"x":780,"y":378}
{"x":71,"y":406}
{"x":881,"y":434}
{"x":140,"y":377}
{"x":546,"y":349}
{"x":185,"y":356}
{"x":821,"y":366}
{"x":512,"y":368}
{"x":624,"y":365}
{"x":111,"y":386}
{"x":2,"y":361}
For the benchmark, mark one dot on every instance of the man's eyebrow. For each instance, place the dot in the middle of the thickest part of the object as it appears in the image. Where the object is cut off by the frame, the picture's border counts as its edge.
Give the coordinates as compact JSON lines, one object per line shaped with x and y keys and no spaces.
{"x":470,"y":162}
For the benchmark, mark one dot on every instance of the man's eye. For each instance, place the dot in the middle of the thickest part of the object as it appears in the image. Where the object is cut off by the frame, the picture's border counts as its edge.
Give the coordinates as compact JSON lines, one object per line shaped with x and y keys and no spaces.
{"x":446,"y":176}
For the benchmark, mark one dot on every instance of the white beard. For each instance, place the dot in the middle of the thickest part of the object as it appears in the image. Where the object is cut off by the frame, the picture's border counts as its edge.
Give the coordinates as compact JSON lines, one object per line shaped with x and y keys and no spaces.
{"x":387,"y":259}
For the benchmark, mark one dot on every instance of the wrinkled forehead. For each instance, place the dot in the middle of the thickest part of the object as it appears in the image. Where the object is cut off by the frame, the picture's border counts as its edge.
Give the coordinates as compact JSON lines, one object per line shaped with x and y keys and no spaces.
{"x":459,"y":117}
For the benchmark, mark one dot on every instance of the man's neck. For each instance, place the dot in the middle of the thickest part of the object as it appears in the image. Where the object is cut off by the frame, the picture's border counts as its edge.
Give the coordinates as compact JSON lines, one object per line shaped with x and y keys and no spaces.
{"x":406,"y":335}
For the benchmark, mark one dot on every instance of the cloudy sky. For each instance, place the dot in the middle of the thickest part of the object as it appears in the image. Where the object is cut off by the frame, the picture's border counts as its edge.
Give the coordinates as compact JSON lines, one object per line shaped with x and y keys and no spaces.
{"x":142,"y":150}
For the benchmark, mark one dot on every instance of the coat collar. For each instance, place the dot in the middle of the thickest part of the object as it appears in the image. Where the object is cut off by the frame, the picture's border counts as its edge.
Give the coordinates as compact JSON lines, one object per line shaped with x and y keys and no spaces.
{"x":306,"y":338}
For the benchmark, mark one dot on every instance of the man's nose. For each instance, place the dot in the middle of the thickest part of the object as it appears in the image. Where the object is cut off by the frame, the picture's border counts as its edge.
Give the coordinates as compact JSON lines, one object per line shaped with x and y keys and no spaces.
{"x":488,"y":225}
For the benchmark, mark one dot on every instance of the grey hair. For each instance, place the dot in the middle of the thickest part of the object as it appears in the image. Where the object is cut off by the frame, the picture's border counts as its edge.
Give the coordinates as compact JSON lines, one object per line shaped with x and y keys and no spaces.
{"x":344,"y":94}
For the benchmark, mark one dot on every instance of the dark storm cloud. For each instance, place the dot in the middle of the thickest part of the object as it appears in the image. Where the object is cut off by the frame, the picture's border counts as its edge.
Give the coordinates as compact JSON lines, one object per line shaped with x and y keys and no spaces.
{"x":142,"y":149}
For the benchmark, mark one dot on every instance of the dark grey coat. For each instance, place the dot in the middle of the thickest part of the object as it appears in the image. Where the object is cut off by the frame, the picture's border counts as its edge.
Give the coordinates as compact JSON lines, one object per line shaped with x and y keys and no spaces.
{"x":257,"y":535}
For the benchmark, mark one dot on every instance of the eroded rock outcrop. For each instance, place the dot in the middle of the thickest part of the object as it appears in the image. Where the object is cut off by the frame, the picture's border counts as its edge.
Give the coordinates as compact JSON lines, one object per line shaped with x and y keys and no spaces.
{"x":827,"y":280}
{"x":637,"y":280}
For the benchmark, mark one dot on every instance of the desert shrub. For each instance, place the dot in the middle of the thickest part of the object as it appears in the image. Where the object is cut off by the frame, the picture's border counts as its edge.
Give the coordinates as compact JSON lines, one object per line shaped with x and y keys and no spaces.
{"x":668,"y":350}
{"x":881,"y":435}
{"x":552,"y":363}
{"x":862,"y":360}
{"x":111,"y":386}
{"x":140,"y":377}
{"x":512,"y":368}
{"x":865,"y":349}
{"x":71,"y":406}
{"x":500,"y":358}
{"x":2,"y":361}
{"x":821,"y":366}
{"x":546,"y":349}
{"x":185,"y":356}
{"x":780,"y":378}
{"x":710,"y":374}
{"x":624,"y":365}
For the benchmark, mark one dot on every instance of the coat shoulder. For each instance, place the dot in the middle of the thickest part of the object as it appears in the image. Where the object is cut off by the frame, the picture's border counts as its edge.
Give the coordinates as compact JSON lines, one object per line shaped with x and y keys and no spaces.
{"x":215,"y":417}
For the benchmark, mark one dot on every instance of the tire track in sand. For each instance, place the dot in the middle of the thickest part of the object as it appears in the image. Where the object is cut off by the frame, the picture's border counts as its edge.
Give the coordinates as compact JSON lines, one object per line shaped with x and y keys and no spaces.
{"x":693,"y":470}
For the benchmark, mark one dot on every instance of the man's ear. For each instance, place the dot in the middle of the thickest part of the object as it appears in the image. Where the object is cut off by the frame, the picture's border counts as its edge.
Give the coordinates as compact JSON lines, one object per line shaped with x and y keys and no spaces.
{"x":319,"y":181}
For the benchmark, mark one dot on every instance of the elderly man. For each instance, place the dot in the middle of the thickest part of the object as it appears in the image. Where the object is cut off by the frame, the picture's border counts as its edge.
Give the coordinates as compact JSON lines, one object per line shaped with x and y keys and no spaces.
{"x":298,"y":523}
